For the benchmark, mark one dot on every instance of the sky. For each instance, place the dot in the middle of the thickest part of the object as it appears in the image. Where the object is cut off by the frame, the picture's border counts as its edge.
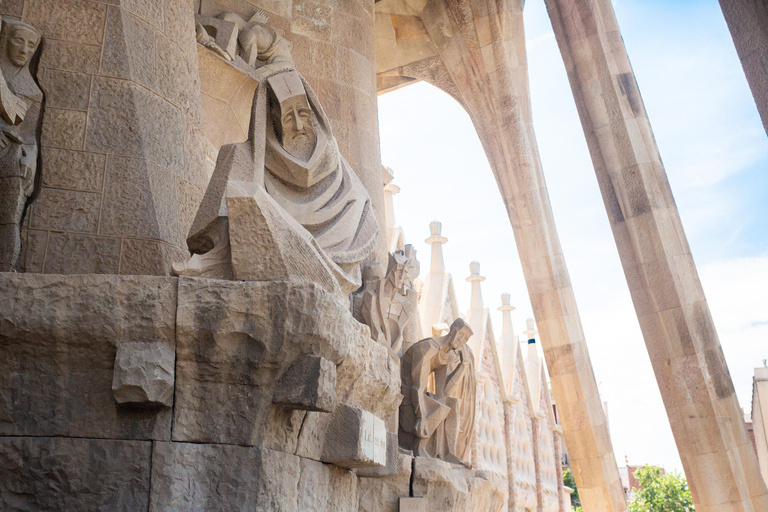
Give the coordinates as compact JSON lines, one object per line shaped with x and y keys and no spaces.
{"x":715,"y":151}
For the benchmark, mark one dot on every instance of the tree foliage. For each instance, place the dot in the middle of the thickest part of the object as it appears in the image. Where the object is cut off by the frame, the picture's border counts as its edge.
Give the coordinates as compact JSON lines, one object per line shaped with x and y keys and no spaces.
{"x":569,"y":481}
{"x":661,"y":493}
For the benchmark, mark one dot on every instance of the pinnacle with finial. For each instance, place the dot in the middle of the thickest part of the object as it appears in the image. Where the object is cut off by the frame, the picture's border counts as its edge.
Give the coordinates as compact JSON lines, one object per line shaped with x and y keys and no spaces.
{"x":506,"y":302}
{"x":474,"y":272}
{"x":435,"y":230}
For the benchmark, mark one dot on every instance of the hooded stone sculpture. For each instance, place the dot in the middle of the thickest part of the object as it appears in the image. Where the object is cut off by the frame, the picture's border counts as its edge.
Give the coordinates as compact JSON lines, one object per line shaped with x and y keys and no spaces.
{"x":284,"y":204}
{"x":20,"y":109}
{"x":437,"y":413}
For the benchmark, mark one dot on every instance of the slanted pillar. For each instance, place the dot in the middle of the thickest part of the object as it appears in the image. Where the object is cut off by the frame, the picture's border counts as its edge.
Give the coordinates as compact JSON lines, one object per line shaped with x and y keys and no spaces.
{"x":475,"y":51}
{"x":748,"y":22}
{"x":706,"y":420}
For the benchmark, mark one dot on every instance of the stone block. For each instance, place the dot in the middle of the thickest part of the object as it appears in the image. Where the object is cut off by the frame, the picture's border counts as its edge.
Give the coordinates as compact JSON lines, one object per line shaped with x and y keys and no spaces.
{"x":309,"y":384}
{"x":66,"y":89}
{"x":143,"y":373}
{"x":74,"y":253}
{"x":326,"y":487}
{"x":76,"y":170}
{"x":139,"y":201}
{"x":63,"y":128}
{"x":129,"y":48}
{"x":13,"y":8}
{"x":413,"y":504}
{"x":82,"y":58}
{"x":451,"y":487}
{"x":66,"y":210}
{"x":128,"y":120}
{"x":149,"y":258}
{"x":67,"y":20}
{"x":220,"y":477}
{"x":59,"y":336}
{"x":48,"y":473}
{"x":173,"y":80}
{"x":235,"y":339}
{"x":391,"y":465}
{"x":33,"y":247}
{"x":383,"y":494}
{"x":355,"y":438}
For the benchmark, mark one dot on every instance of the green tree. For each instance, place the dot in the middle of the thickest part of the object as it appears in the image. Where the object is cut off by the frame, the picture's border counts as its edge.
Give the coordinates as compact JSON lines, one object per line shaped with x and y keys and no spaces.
{"x":661,"y":493}
{"x":569,"y":481}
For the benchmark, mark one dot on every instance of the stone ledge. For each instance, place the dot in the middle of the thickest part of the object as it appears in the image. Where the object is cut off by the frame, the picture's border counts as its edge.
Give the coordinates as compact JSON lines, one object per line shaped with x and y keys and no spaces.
{"x":58,"y":340}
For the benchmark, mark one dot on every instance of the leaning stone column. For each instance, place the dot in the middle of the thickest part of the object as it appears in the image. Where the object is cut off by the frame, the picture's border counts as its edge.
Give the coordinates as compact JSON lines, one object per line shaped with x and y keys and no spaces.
{"x":748,"y":22}
{"x":703,"y":411}
{"x":481,"y":45}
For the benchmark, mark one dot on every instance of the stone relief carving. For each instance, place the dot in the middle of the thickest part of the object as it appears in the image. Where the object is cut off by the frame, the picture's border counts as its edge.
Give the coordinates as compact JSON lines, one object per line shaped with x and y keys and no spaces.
{"x":382,"y":304}
{"x":284,"y":204}
{"x":20,"y":110}
{"x":438,"y":421}
{"x":252,"y":42}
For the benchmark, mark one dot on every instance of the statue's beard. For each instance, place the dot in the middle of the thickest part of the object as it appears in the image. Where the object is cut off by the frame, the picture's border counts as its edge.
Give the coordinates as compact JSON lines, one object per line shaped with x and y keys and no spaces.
{"x":301,"y":146}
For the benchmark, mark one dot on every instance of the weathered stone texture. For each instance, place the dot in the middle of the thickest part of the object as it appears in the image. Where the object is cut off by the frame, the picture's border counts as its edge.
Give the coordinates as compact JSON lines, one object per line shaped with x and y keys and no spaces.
{"x":121,"y":81}
{"x":44,"y":473}
{"x":218,"y":477}
{"x":58,"y":337}
{"x":449,"y":487}
{"x":235,"y":340}
{"x":382,"y":494}
{"x":143,"y":373}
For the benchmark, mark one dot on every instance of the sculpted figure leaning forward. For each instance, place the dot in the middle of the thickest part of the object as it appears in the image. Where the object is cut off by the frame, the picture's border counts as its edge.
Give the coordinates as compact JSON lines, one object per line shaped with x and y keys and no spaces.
{"x":438,"y":421}
{"x":284,"y":204}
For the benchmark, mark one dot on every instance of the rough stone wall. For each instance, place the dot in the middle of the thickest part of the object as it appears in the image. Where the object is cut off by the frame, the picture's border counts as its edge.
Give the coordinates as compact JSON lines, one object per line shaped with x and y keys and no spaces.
{"x":121,"y":168}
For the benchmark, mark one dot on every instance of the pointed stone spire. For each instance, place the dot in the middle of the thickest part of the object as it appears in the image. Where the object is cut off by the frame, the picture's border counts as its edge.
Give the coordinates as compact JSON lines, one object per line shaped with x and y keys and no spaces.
{"x":508,"y":343}
{"x":436,"y":240}
{"x":476,"y":305}
{"x":532,"y":364}
{"x":390,"y":189}
{"x":432,"y":292}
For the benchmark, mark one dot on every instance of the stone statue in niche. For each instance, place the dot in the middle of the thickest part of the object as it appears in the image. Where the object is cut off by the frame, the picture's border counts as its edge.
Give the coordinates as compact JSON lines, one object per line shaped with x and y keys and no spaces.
{"x":438,"y":422}
{"x":20,"y":110}
{"x":284,"y":204}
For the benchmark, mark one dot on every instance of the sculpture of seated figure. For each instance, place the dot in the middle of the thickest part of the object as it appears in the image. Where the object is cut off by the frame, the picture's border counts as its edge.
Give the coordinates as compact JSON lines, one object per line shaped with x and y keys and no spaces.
{"x":284,"y":204}
{"x":20,"y":110}
{"x":438,"y":422}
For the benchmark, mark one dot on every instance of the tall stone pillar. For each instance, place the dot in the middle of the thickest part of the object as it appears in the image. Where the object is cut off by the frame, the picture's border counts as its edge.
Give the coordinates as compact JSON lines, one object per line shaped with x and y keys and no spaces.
{"x":122,"y":154}
{"x":748,"y":22}
{"x":475,"y":51}
{"x":691,"y":371}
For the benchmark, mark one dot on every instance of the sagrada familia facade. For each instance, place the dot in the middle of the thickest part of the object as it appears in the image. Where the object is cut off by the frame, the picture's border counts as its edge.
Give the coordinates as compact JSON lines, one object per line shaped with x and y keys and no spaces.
{"x":205,"y":302}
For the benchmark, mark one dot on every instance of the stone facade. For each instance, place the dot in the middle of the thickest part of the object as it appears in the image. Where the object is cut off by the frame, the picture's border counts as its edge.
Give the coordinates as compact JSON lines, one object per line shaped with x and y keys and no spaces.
{"x":254,"y":386}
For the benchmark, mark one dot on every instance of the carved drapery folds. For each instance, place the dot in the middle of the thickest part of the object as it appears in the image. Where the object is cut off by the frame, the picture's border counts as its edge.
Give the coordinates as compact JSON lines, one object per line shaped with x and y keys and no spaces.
{"x":20,"y":112}
{"x":438,"y":423}
{"x":284,"y":204}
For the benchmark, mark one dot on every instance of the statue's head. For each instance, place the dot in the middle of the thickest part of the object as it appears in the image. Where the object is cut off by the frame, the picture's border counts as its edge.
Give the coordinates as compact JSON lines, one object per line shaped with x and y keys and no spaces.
{"x":459,"y":334}
{"x":292,"y":115}
{"x":397,"y":268}
{"x":21,"y":42}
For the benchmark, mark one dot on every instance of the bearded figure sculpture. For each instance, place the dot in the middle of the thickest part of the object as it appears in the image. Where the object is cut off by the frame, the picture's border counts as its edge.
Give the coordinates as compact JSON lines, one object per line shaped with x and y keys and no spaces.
{"x":20,"y":111}
{"x":437,"y":414}
{"x":284,"y":204}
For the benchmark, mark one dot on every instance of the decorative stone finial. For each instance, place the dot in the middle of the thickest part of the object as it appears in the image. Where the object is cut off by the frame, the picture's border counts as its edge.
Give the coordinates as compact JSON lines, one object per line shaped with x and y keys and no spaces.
{"x":506,"y":302}
{"x":530,"y":332}
{"x":435,"y":228}
{"x":474,"y":272}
